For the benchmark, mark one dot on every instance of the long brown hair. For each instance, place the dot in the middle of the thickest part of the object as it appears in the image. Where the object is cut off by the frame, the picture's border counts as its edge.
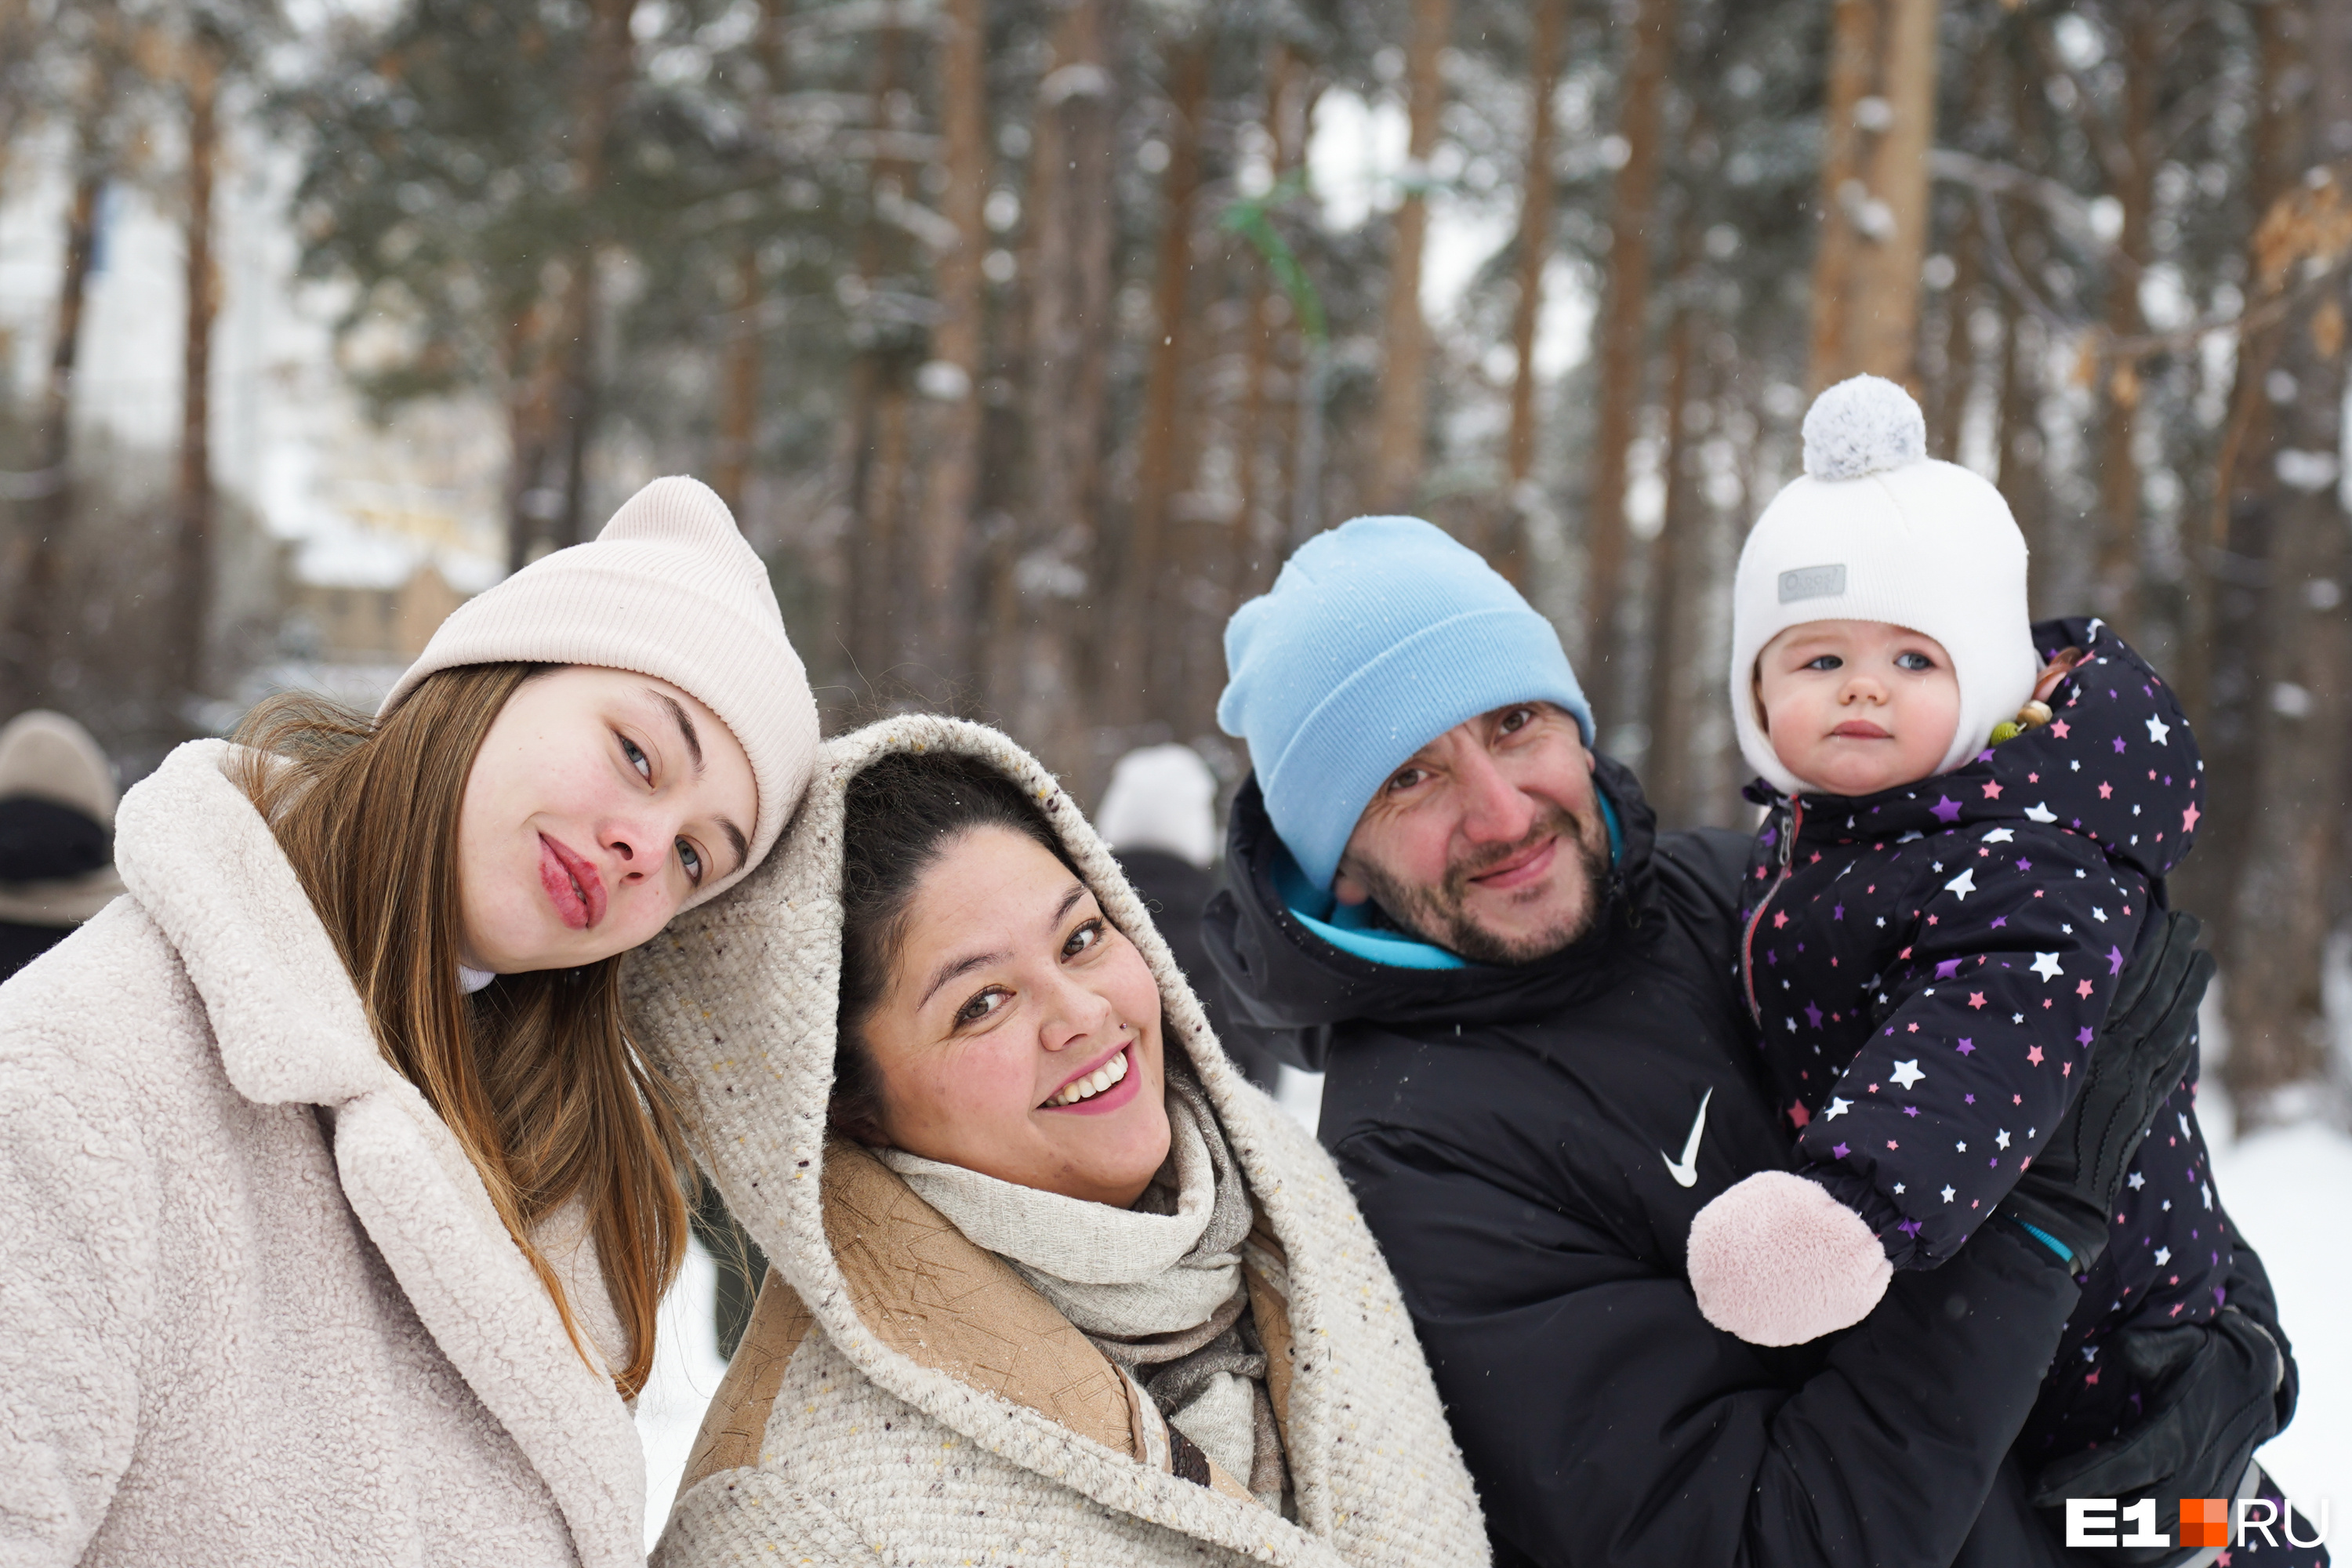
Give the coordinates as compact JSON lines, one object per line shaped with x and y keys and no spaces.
{"x":533,"y":1074}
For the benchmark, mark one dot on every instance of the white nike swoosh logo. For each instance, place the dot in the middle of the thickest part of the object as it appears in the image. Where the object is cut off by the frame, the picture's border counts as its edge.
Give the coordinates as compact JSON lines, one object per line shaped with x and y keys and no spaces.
{"x":1685,"y":1171}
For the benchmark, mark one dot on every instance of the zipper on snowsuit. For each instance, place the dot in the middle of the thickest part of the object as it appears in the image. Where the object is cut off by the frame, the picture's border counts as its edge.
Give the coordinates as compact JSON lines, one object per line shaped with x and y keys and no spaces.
{"x":1747,"y":939}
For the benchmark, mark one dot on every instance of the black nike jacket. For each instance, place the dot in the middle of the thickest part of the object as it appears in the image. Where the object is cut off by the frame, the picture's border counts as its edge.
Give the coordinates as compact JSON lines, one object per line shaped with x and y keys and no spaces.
{"x":1530,"y":1145}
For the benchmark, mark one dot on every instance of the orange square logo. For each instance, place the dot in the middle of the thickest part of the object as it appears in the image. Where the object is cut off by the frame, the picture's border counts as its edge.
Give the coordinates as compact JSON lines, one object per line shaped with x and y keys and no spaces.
{"x":2204,"y":1522}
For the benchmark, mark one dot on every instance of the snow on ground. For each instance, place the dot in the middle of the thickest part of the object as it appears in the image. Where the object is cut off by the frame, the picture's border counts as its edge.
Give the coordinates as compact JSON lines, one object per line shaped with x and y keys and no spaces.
{"x":2290,"y":1191}
{"x":1301,"y":1094}
{"x":686,"y":1370}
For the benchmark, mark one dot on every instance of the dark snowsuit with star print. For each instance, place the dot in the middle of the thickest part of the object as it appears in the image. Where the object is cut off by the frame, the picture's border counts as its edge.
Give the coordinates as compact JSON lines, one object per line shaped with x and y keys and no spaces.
{"x":1929,"y":965}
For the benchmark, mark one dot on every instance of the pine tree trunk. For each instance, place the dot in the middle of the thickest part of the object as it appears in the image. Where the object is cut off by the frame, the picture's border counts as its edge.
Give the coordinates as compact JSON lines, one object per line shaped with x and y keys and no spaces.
{"x":1258,"y":527}
{"x":2116,"y":580}
{"x":2017,"y":444}
{"x":2278,"y":1032}
{"x":1401,"y":428}
{"x":943,"y":630}
{"x":1874,"y":190}
{"x":1954,"y":386}
{"x":194,"y":501}
{"x":551,"y":353}
{"x":738,"y":410}
{"x":877,"y":447}
{"x":605,"y":75}
{"x":2018,"y":448}
{"x":1624,"y":322}
{"x":2220,"y":679}
{"x":16,"y":43}
{"x":1071,"y":331}
{"x":883,"y":505}
{"x":2279,"y":1045}
{"x":1948,"y":398}
{"x":1139,"y":642}
{"x":1666,"y":762}
{"x":2206,"y":665}
{"x":39,"y":552}
{"x":578,"y":400}
{"x":863,"y":543}
{"x":1853,"y":75}
{"x":1302,"y":458}
{"x":1717,"y":769}
{"x":533,"y":382}
{"x":1536,"y":202}
{"x":1884,"y":329}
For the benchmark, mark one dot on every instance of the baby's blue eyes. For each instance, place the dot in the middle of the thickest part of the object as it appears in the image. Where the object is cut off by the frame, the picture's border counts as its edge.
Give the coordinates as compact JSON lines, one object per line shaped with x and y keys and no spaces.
{"x":1913,"y":661}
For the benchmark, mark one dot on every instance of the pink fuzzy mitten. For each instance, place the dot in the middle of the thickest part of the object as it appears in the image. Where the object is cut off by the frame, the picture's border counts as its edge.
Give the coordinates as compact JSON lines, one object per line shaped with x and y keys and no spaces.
{"x":1778,"y":1261}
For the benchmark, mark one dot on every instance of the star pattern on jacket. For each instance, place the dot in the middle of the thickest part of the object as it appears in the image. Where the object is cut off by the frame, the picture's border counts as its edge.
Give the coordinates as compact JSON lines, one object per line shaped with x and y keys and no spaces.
{"x":1940,"y":1004}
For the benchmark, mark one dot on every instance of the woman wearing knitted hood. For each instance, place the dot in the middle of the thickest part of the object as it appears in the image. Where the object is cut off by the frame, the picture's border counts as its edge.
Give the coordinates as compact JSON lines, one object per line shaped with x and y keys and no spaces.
{"x":1052,"y":1281}
{"x":335,"y":1206}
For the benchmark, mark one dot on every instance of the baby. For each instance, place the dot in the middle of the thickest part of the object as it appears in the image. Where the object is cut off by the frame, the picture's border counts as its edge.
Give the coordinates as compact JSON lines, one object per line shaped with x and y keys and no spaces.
{"x":1971,"y":819}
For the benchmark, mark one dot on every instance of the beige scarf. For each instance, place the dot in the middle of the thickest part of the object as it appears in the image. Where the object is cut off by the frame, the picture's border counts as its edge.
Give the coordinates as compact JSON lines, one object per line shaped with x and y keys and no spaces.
{"x":1157,"y":1287}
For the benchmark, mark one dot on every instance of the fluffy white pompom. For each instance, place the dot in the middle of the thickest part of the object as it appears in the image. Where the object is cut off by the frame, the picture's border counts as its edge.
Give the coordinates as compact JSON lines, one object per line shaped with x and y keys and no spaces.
{"x":1865,"y":424}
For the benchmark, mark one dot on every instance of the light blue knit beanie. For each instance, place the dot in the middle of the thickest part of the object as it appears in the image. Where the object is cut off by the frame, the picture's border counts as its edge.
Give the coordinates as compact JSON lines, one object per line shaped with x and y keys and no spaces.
{"x":1377,"y":636}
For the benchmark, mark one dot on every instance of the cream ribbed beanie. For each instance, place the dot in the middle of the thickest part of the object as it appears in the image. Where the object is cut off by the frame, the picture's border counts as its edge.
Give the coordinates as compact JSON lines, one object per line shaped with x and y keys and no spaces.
{"x":669,"y":589}
{"x":1876,"y":531}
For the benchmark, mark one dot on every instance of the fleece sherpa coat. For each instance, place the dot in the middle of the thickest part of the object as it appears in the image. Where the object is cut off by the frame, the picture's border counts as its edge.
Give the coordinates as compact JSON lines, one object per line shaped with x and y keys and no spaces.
{"x":905,"y":1399}
{"x":258,"y":1309}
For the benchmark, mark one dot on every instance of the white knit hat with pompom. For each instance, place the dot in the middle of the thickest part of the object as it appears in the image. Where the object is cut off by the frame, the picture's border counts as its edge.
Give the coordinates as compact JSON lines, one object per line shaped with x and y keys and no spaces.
{"x":1879,"y":531}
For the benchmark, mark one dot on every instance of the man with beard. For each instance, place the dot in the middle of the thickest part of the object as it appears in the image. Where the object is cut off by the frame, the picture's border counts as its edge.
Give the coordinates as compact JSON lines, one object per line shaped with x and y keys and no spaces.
{"x":1539,"y":1069}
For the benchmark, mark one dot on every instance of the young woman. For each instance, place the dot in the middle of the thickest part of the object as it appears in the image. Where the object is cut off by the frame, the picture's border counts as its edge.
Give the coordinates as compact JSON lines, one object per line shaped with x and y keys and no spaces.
{"x":1052,"y":1281}
{"x":334,"y":1203}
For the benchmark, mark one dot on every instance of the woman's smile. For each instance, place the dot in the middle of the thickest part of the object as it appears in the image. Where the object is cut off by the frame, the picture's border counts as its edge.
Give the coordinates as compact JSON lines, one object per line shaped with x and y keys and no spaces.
{"x":1104,"y":1087}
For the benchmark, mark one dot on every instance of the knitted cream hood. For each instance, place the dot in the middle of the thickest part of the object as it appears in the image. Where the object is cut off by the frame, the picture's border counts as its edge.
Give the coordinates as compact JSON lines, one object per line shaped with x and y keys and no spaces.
{"x":737,"y":1001}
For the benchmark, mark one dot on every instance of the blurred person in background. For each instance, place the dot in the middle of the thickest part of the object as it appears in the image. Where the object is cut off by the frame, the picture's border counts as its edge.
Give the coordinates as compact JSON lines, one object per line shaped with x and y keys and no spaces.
{"x":1160,"y":818}
{"x":56,"y":834}
{"x":336,"y":1206}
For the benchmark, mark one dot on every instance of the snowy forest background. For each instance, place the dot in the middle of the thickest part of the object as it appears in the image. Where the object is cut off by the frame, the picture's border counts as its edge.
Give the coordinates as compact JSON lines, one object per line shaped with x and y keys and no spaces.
{"x":1026,"y":336}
